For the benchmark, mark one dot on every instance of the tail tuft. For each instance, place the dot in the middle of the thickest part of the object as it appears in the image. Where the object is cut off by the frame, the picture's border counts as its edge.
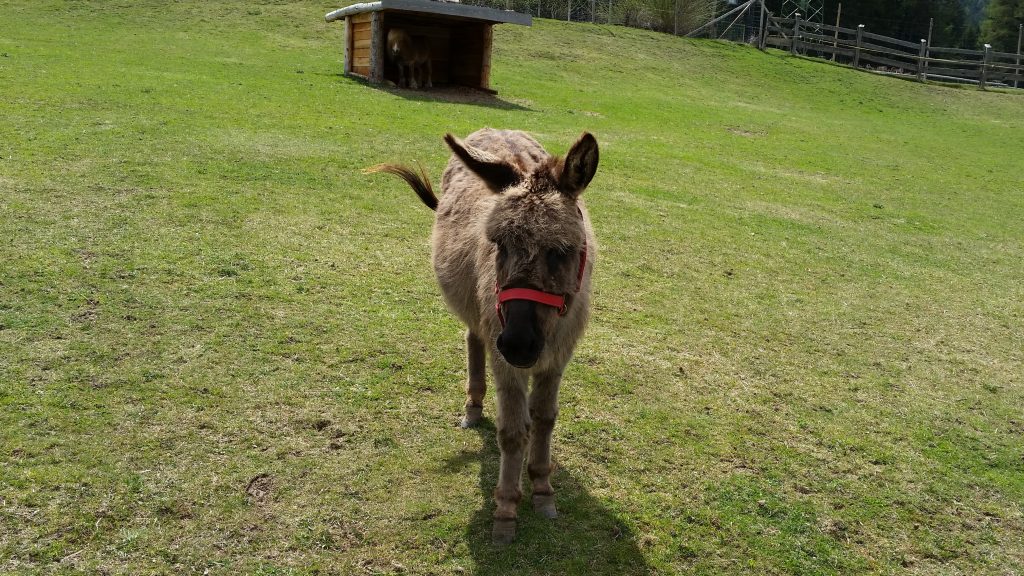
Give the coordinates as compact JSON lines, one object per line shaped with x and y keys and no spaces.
{"x":420,"y":183}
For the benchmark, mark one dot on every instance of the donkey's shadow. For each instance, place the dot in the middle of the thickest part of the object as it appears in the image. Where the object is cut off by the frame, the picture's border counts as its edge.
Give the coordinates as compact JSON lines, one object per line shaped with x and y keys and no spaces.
{"x":585,"y":538}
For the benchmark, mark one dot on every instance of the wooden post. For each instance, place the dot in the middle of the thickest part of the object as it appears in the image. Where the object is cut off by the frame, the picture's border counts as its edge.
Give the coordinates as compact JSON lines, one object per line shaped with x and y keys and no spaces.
{"x":485,"y":60}
{"x":796,"y":33}
{"x":860,"y":40}
{"x":921,"y":60}
{"x":376,"y":48}
{"x":1020,"y":33}
{"x":763,"y":28}
{"x":675,"y":18}
{"x":568,"y":11}
{"x":349,"y":48}
{"x":928,"y":49}
{"x":984,"y":67}
{"x":609,"y":11}
{"x":593,"y":11}
{"x":835,"y":39}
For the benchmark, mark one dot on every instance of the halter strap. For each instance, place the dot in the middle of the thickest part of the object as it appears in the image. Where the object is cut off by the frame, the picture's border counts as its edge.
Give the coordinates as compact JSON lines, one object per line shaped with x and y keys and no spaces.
{"x":548,"y":299}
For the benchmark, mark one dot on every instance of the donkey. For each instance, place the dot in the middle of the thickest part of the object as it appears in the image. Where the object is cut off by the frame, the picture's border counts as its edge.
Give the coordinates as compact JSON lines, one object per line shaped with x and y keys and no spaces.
{"x":513,"y":250}
{"x":411,"y":54}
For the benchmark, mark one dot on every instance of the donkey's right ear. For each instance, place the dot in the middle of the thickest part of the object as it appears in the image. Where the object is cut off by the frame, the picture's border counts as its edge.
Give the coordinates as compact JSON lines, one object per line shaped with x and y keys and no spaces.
{"x":497,"y":173}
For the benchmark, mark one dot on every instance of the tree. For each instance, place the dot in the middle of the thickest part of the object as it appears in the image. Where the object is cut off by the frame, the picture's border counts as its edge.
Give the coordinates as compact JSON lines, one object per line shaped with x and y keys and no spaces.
{"x":956,"y":21}
{"x":1002,"y":23}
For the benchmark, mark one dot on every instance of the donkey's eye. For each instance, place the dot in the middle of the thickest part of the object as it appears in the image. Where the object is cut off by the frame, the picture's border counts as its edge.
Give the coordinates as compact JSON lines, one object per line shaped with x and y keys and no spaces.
{"x":556,"y":258}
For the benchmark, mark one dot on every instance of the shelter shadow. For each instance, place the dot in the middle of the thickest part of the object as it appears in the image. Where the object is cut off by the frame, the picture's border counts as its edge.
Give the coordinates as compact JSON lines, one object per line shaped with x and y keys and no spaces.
{"x":586,"y":538}
{"x":448,"y":94}
{"x":456,"y":95}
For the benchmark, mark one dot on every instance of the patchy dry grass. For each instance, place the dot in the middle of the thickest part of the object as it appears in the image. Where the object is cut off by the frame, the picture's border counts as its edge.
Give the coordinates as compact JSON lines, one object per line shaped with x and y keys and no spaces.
{"x":222,"y":349}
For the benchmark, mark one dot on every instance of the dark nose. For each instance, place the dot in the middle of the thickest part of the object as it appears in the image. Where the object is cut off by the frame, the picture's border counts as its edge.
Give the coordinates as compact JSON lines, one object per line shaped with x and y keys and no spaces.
{"x":521,"y":342}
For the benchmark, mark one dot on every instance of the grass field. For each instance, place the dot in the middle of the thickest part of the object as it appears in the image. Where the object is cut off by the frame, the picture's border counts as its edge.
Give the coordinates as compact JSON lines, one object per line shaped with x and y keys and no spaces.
{"x":222,"y":349}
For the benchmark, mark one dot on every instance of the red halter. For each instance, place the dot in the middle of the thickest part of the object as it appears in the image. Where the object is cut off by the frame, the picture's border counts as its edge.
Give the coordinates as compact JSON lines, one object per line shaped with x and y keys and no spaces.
{"x":546,"y":298}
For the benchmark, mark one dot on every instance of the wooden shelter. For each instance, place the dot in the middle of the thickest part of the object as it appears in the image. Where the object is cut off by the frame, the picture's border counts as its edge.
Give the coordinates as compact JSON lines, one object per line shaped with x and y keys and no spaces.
{"x":459,"y":37}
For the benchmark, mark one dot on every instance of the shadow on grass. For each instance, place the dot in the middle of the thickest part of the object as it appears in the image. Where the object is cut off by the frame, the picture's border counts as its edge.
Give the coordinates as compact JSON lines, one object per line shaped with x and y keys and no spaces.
{"x":448,"y":94}
{"x":455,"y":95}
{"x":586,"y":538}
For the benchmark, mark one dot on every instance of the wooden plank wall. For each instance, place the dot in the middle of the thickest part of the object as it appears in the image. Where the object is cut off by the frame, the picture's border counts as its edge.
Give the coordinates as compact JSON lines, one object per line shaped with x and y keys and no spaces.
{"x":360,"y":33}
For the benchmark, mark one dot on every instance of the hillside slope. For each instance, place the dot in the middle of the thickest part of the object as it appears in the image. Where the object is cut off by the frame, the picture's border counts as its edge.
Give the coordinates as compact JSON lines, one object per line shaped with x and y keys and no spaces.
{"x":222,"y":348}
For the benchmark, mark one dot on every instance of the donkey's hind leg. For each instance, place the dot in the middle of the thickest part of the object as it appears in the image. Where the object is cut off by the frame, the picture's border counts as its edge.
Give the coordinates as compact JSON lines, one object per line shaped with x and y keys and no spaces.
{"x":476,"y":384}
{"x":543,"y":412}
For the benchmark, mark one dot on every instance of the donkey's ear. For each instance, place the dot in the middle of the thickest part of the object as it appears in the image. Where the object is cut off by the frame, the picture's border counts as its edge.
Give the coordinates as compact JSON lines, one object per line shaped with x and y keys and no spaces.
{"x":579,"y":165}
{"x":497,"y":173}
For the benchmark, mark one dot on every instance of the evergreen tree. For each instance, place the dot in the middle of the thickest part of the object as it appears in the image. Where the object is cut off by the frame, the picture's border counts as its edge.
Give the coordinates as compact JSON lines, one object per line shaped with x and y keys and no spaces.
{"x":1002,"y":24}
{"x":957,"y":22}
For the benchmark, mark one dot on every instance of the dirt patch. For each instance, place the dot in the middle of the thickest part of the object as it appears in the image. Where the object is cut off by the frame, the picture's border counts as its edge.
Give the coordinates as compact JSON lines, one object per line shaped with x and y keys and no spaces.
{"x":746,"y":133}
{"x":90,"y":312}
{"x":259,"y":488}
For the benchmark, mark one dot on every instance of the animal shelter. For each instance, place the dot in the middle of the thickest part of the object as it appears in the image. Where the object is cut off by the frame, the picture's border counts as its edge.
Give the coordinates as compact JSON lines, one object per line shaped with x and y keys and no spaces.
{"x":458,"y":37}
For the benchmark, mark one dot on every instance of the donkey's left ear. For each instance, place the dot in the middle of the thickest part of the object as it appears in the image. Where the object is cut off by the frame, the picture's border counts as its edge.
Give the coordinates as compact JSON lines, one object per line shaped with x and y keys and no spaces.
{"x":579,"y":165}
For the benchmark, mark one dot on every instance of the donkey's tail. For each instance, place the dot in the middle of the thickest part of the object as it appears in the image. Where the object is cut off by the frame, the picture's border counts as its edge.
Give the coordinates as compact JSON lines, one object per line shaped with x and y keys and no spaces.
{"x":420,"y":183}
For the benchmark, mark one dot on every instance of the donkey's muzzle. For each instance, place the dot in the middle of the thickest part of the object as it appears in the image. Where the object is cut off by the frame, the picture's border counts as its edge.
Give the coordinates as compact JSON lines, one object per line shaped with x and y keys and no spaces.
{"x":521,"y":341}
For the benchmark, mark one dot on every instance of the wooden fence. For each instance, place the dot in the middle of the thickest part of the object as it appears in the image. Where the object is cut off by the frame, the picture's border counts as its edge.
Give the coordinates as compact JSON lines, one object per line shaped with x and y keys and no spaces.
{"x":863,"y":49}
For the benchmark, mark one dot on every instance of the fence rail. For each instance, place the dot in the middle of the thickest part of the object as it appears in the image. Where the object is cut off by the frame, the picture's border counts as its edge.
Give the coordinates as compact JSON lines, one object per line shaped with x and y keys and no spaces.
{"x":894,"y":56}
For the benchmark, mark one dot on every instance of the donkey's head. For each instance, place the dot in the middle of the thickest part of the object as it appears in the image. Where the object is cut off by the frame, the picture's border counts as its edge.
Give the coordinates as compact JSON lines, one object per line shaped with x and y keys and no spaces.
{"x":539,"y":241}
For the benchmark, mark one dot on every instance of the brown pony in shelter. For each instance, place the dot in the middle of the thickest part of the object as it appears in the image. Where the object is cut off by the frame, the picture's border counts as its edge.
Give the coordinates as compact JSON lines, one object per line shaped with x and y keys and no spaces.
{"x":411,"y":55}
{"x":513,"y":251}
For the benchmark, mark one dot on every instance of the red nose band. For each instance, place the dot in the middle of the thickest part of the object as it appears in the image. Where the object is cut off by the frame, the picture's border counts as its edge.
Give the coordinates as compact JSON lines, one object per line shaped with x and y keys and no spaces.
{"x":548,"y":299}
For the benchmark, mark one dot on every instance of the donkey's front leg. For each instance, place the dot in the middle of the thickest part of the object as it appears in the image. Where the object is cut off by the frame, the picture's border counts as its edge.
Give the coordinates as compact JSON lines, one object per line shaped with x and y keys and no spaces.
{"x":543,"y":412}
{"x":513,"y":433}
{"x":476,"y":383}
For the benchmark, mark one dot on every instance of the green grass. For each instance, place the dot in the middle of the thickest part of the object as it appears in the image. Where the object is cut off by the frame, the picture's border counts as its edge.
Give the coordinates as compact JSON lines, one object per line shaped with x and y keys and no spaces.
{"x":805,"y":354}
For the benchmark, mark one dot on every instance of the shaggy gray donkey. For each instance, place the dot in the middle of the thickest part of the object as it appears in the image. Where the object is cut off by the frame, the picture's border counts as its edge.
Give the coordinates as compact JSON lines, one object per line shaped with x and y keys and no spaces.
{"x":513,"y":250}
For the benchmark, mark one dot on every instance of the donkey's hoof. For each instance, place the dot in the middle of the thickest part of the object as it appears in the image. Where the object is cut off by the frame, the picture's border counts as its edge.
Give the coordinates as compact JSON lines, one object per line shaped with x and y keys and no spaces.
{"x":472,"y":417}
{"x":544,"y":504}
{"x":504,"y":531}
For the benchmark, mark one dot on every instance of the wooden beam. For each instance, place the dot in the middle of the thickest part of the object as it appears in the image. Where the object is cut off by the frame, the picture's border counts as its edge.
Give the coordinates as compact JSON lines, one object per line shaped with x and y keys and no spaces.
{"x":453,"y":9}
{"x":485,"y":64}
{"x":984,"y":67}
{"x":349,"y":33}
{"x":921,"y":62}
{"x":860,"y":40}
